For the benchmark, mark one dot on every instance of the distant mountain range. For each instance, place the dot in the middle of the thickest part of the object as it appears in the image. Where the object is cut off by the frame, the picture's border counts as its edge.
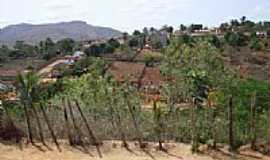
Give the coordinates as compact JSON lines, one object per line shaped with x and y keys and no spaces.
{"x":33,"y":34}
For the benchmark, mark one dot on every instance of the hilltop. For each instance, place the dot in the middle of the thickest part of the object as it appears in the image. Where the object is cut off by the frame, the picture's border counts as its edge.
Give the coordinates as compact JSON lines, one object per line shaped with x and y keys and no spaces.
{"x":33,"y":34}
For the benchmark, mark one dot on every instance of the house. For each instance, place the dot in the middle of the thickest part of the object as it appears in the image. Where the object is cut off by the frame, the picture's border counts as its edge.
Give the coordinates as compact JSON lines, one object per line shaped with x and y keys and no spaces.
{"x":261,"y":34}
{"x":196,"y":27}
{"x":78,"y":54}
{"x":7,"y":92}
{"x":121,"y":40}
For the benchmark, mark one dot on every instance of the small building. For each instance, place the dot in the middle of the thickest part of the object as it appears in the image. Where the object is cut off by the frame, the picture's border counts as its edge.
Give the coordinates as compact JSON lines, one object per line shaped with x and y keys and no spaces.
{"x":261,"y":34}
{"x":7,"y":92}
{"x":196,"y":27}
{"x":121,"y":40}
{"x":78,"y":54}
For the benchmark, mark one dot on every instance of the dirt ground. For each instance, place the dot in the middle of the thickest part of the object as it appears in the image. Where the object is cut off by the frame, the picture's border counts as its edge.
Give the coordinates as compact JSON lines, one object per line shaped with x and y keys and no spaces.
{"x":111,"y":150}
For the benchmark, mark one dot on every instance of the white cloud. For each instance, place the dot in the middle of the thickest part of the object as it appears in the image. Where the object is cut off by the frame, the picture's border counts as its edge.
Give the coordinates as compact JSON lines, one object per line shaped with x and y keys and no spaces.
{"x":58,"y":4}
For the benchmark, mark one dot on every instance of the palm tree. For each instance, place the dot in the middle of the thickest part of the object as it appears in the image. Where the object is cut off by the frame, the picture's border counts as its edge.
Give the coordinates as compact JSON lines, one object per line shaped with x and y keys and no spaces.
{"x":27,"y":86}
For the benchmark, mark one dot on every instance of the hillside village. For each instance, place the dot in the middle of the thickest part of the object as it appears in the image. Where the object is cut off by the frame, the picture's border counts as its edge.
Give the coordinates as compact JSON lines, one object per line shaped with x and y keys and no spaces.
{"x":207,"y":87}
{"x":133,"y":64}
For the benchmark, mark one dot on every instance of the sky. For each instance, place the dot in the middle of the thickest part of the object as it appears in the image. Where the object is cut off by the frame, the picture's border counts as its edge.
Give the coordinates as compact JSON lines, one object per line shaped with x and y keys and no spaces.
{"x":127,"y":15}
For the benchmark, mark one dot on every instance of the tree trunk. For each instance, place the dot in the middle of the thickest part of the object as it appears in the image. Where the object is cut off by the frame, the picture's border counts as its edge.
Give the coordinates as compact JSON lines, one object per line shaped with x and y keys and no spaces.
{"x":67,"y":123}
{"x":195,"y":143}
{"x":90,"y":131}
{"x":1,"y":115}
{"x":76,"y":127}
{"x":39,"y":124}
{"x":30,"y":133}
{"x":158,"y":125}
{"x":253,"y":121}
{"x":115,"y":114}
{"x":214,"y":129}
{"x":231,"y":125}
{"x":135,"y":122}
{"x":212,"y":123}
{"x":50,"y":127}
{"x":120,"y":129}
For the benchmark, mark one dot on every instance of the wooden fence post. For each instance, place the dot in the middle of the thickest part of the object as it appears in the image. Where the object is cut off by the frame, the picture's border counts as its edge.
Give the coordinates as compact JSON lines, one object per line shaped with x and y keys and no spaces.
{"x":231,"y":124}
{"x":39,"y":124}
{"x":253,"y":121}
{"x":195,"y":142}
{"x":28,"y":121}
{"x":90,"y":131}
{"x":49,"y":126}
{"x":67,"y":125}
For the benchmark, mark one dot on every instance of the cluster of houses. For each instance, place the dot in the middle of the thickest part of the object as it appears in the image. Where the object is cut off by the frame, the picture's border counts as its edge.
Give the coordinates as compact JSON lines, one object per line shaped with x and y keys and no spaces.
{"x":147,"y":79}
{"x":47,"y":72}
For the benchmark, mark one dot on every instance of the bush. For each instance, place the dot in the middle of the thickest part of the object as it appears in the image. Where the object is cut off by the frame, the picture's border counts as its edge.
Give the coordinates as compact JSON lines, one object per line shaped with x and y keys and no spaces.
{"x":149,"y":60}
{"x":235,"y":39}
{"x":214,"y":40}
{"x":256,"y":45}
{"x":97,"y":49}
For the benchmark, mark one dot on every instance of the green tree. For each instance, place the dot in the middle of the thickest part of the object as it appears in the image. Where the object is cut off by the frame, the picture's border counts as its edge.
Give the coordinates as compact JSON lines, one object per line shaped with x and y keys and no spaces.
{"x":114,"y":43}
{"x":4,"y":53}
{"x":235,"y":39}
{"x":66,"y":46}
{"x":136,"y":33}
{"x":29,"y":94}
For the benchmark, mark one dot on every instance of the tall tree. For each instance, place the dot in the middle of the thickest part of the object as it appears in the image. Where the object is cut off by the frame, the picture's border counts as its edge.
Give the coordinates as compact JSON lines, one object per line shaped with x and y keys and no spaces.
{"x":27,"y":86}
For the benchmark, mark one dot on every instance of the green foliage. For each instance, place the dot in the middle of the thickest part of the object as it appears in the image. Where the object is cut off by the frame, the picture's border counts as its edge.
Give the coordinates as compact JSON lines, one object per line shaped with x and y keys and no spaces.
{"x":28,"y":87}
{"x":4,"y":53}
{"x":193,"y":71}
{"x":15,"y":110}
{"x":215,"y":41}
{"x":97,"y":50}
{"x":186,"y":39}
{"x":149,"y":60}
{"x":85,"y":65}
{"x":256,"y":44}
{"x":243,"y":94}
{"x":23,"y":50}
{"x":157,"y":45}
{"x":66,"y":46}
{"x":114,"y":43}
{"x":133,"y":42}
{"x":235,"y":39}
{"x":136,"y":33}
